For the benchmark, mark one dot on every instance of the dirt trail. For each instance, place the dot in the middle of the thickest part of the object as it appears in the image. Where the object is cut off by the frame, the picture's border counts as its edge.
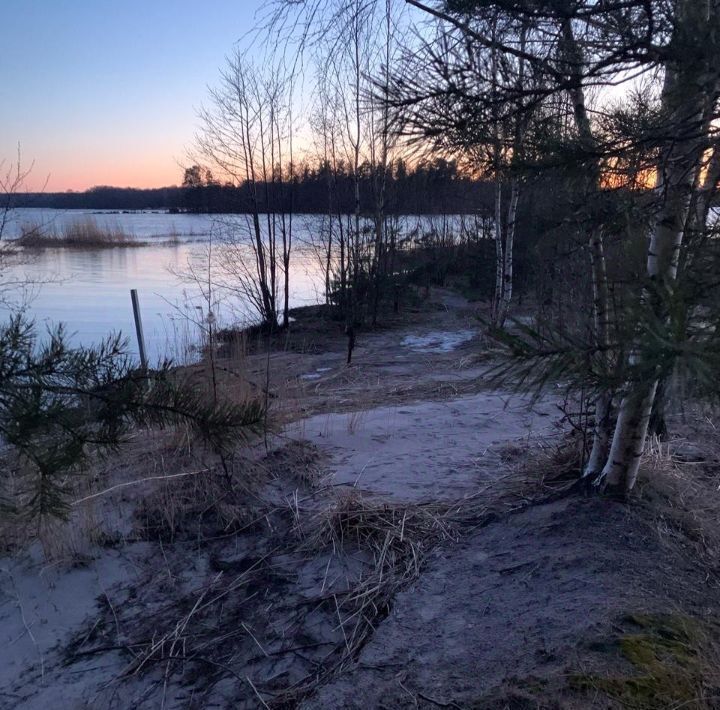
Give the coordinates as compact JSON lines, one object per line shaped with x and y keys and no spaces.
{"x":413,"y":418}
{"x":513,"y":614}
{"x":437,"y":450}
{"x":429,"y":353}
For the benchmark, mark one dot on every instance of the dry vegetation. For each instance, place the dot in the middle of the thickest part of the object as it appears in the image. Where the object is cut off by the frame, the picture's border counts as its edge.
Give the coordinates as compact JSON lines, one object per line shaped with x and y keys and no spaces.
{"x":293,"y":568}
{"x":301,"y":573}
{"x":85,"y":233}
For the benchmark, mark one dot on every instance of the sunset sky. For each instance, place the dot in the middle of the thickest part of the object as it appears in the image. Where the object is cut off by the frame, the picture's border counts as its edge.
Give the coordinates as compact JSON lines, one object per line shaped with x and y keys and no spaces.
{"x":105,"y":92}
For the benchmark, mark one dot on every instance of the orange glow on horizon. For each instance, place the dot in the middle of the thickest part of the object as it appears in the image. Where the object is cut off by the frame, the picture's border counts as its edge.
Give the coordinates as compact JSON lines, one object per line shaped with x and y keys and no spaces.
{"x":160,"y":171}
{"x":620,"y":174}
{"x":617,"y":174}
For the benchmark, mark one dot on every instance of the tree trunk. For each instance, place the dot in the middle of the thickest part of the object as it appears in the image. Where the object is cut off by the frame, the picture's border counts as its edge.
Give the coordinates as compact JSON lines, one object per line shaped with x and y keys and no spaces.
{"x":328,"y":259}
{"x":621,"y":469}
{"x":598,"y":268}
{"x":696,"y":230}
{"x":507,"y":256}
{"x":497,"y":298}
{"x":266,"y":298}
{"x":603,"y":405}
{"x":601,"y":436}
{"x":689,"y":94}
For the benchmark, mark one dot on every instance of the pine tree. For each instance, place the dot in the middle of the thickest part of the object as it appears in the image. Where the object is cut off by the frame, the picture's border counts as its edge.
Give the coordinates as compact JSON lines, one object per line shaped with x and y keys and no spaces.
{"x":60,"y":406}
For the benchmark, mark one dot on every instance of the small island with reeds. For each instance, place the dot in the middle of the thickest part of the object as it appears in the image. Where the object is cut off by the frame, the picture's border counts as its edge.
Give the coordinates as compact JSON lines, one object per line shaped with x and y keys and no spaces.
{"x":80,"y":233}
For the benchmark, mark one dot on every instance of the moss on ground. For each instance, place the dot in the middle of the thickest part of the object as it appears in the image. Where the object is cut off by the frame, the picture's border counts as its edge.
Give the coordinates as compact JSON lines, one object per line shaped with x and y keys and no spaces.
{"x":668,"y":654}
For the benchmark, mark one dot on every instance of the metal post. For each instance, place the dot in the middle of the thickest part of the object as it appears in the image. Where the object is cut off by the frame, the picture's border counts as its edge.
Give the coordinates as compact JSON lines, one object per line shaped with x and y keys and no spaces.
{"x":138,"y":327}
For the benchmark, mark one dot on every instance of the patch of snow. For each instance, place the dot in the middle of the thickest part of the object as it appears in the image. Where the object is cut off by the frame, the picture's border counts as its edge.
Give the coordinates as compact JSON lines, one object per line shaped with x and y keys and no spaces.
{"x":438,"y":341}
{"x":315,"y":375}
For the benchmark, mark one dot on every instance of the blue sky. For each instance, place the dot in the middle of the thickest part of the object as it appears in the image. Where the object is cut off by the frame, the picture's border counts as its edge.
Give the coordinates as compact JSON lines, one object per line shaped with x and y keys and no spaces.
{"x":106,"y":91}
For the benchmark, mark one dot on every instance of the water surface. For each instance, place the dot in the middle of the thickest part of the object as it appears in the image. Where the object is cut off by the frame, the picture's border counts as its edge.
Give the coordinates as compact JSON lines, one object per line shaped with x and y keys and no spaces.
{"x":89,"y":289}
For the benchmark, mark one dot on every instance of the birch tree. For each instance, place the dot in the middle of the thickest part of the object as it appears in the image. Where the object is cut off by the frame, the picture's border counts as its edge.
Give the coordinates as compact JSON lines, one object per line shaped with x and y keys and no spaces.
{"x":689,"y":105}
{"x":456,"y":98}
{"x":484,"y":62}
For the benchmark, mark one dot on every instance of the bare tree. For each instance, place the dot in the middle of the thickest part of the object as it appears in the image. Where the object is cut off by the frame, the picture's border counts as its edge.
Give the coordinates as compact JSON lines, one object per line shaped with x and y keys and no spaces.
{"x":16,"y":287}
{"x":689,"y":105}
{"x":454,"y":99}
{"x":247,"y":137}
{"x":353,"y":45}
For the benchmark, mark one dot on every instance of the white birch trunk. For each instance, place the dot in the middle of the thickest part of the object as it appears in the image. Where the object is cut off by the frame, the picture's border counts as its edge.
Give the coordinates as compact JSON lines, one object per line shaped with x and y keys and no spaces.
{"x":603,"y":405}
{"x":497,"y":158}
{"x":689,"y":93}
{"x":598,"y":271}
{"x":497,"y":299}
{"x":507,"y":255}
{"x":628,"y":443}
{"x":601,"y":436}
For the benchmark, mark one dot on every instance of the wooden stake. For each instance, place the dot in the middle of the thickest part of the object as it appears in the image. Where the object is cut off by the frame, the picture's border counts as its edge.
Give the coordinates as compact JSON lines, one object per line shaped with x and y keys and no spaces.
{"x":138,"y":327}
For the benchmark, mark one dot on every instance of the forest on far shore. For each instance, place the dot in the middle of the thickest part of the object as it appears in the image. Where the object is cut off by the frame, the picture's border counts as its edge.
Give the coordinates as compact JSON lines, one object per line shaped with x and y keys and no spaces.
{"x":438,"y":186}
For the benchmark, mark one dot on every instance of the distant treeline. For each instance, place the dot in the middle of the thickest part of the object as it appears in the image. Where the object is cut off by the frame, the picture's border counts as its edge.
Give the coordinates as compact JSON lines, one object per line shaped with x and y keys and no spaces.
{"x":436,"y":187}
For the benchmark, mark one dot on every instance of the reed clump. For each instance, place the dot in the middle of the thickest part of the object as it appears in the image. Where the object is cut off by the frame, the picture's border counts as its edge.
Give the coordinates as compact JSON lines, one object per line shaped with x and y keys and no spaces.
{"x":85,"y":233}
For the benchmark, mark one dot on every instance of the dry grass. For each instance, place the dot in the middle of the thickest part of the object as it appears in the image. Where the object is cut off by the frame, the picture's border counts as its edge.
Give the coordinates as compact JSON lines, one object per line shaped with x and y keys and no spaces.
{"x":259,"y":582}
{"x":85,"y":233}
{"x":211,"y":496}
{"x":172,"y":486}
{"x":69,"y":540}
{"x":212,"y":625}
{"x":395,"y":539}
{"x":391,"y":541}
{"x":228,"y":626}
{"x":206,"y":501}
{"x":297,"y":461}
{"x":683,"y":496}
{"x":172,"y":483}
{"x":355,"y":420}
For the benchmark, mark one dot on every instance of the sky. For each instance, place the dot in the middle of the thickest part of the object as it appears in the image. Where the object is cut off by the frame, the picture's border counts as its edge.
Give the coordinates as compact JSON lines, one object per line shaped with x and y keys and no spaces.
{"x":106,"y":92}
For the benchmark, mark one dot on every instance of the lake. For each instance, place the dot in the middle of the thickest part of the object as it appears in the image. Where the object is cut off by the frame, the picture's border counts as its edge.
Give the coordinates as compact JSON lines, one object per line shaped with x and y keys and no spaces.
{"x":89,"y":289}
